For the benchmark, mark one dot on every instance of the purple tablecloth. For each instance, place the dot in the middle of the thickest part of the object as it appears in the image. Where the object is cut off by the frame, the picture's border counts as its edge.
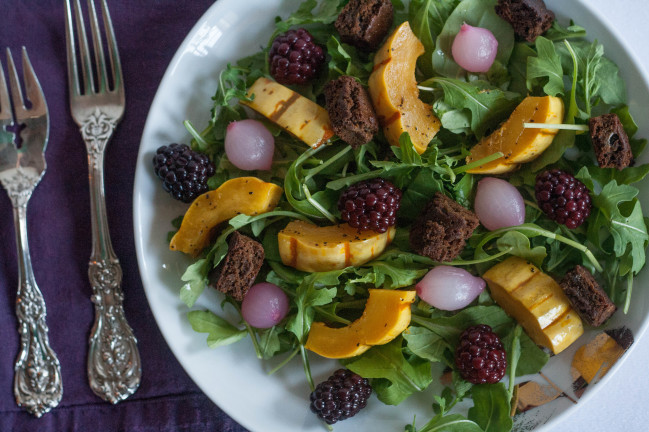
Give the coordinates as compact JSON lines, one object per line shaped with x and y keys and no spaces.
{"x":148,"y":34}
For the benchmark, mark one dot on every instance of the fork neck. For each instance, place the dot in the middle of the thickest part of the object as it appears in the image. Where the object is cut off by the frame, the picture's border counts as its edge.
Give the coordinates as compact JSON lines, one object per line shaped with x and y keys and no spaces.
{"x":25,"y":272}
{"x":102,"y":248}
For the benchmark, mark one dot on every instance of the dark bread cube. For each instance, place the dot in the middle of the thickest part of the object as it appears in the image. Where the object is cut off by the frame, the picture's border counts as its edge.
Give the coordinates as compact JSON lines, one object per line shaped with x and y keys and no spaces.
{"x":238,"y":270}
{"x":441,"y":230}
{"x":364,"y":23}
{"x":586,"y":296}
{"x":529,"y":18}
{"x":610,"y":142}
{"x":350,"y":111}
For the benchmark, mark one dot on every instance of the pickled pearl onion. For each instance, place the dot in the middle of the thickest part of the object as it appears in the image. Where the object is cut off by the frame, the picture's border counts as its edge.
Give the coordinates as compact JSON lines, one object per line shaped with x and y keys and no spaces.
{"x":474,"y":48}
{"x":498,"y":204}
{"x":449,"y":288}
{"x":249,"y":145}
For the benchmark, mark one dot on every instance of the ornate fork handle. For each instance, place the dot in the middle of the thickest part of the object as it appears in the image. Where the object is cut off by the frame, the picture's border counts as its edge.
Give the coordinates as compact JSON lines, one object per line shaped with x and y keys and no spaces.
{"x":37,"y":379}
{"x":114,"y":367}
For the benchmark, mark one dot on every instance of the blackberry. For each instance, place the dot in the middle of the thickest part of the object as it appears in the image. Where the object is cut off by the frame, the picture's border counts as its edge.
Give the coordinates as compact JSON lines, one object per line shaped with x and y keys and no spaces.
{"x":562,"y":197}
{"x":480,"y":357}
{"x":183,"y":171}
{"x":295,"y":58}
{"x":341,"y":396}
{"x":370,"y":204}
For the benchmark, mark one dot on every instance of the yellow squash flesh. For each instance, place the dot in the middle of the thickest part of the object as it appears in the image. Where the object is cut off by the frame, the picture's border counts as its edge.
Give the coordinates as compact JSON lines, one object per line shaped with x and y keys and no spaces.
{"x":296,"y":114}
{"x":242,"y":195}
{"x":394,"y":91}
{"x":386,"y":315}
{"x":311,"y":248}
{"x":517,"y":143}
{"x":536,"y":301}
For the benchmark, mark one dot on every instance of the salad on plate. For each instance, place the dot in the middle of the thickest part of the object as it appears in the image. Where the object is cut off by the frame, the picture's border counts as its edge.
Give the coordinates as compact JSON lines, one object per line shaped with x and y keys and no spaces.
{"x":432,"y":191}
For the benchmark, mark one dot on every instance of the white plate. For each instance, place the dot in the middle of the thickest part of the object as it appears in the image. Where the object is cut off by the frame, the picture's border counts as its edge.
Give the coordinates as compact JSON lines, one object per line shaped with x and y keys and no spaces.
{"x":232,"y":376}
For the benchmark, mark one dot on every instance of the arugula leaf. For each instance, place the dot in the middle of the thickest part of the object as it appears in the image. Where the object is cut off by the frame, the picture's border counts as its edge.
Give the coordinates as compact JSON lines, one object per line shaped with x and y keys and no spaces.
{"x":450,"y":423}
{"x":220,"y":332}
{"x":394,"y":377}
{"x":311,"y":292}
{"x":491,"y":407}
{"x":306,"y":14}
{"x":520,"y":246}
{"x":623,"y":214}
{"x":450,"y":328}
{"x":559,"y":33}
{"x":488,"y":106}
{"x":196,"y":280}
{"x":518,"y":67}
{"x":345,"y":61}
{"x":565,"y":139}
{"x":427,"y":18}
{"x":425,"y":344}
{"x":531,"y":358}
{"x":547,"y":64}
{"x":479,"y":13}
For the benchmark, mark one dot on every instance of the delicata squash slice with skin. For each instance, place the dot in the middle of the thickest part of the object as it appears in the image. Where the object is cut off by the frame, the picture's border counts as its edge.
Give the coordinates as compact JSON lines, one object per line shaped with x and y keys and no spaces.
{"x":296,"y":114}
{"x":311,"y":248}
{"x":536,"y":301}
{"x":242,"y":195}
{"x":386,"y":315}
{"x":395,"y":96}
{"x":517,"y":143}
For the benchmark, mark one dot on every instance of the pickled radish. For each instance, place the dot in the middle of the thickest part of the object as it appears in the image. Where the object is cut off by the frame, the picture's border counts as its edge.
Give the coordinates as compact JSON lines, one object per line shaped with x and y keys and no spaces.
{"x":265,"y":305}
{"x":474,"y":48}
{"x":449,"y":288}
{"x":249,"y":145}
{"x":498,"y":204}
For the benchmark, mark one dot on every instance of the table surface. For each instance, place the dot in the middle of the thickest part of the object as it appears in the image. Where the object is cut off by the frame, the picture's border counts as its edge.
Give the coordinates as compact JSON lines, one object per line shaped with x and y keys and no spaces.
{"x":148,"y":35}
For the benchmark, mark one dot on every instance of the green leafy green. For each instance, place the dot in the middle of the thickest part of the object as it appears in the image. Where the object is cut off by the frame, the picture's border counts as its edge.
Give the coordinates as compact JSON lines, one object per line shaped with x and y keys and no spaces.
{"x":449,"y":423}
{"x":220,"y":332}
{"x":310,"y":13}
{"x":518,"y":244}
{"x":394,"y":376}
{"x":425,"y":343}
{"x":478,"y":13}
{"x":346,"y":61}
{"x":559,"y":33}
{"x":546,"y":64}
{"x":427,"y":18}
{"x":488,"y":106}
{"x":313,"y":291}
{"x":491,"y":407}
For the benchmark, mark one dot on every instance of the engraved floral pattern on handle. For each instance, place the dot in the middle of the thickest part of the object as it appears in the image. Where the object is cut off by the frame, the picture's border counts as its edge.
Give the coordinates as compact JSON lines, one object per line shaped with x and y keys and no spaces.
{"x":37,"y":373}
{"x":114,"y":366}
{"x":113,"y":359}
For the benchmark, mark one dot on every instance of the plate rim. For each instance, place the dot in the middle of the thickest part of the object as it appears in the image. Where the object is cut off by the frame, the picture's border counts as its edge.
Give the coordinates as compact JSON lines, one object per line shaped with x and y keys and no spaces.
{"x":222,"y":6}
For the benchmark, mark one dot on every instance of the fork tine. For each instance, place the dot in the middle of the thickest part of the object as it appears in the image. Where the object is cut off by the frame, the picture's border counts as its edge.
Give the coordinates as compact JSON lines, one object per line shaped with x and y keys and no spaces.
{"x":100,"y":60}
{"x":6,"y":117}
{"x":73,"y":71}
{"x":14,"y":87}
{"x":116,"y":66}
{"x":84,"y":52}
{"x":32,"y":88}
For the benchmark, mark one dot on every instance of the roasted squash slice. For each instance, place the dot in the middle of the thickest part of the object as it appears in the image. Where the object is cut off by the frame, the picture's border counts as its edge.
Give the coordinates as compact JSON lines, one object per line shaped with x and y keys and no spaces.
{"x":296,"y":114}
{"x":536,"y":301}
{"x":517,"y":143}
{"x":311,"y":248}
{"x":386,"y":315}
{"x":242,"y":195}
{"x":394,"y":91}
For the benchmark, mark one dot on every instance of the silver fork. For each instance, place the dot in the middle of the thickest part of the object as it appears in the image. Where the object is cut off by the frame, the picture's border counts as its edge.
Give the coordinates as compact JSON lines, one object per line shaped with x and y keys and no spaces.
{"x":114,"y":367}
{"x":37,"y":373}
